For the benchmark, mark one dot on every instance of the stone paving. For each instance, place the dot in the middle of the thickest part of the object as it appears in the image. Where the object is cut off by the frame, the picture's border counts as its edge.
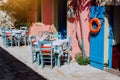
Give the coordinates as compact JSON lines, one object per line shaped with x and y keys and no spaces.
{"x":15,"y":64}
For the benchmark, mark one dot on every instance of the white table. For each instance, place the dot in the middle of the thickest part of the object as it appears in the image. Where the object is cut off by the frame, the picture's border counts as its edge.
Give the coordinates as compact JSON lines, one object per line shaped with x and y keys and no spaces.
{"x":57,"y":46}
{"x":16,"y":35}
{"x":21,"y":32}
{"x":58,"y":42}
{"x":14,"y":32}
{"x":19,"y":35}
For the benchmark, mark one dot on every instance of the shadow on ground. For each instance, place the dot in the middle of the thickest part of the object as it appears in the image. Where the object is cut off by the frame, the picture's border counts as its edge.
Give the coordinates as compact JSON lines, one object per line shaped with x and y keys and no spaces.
{"x":13,"y":69}
{"x":113,"y":71}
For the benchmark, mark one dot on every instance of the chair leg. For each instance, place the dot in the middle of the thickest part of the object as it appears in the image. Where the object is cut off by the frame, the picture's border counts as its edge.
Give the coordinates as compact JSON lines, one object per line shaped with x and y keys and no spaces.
{"x":51,"y":63}
{"x":25,"y":40}
{"x":42,"y":63}
{"x":18,"y":42}
{"x":58,"y":61}
{"x":5,"y":43}
{"x":38,"y":58}
{"x":15,"y":42}
{"x":32,"y":58}
{"x":11,"y":43}
{"x":68,"y":60}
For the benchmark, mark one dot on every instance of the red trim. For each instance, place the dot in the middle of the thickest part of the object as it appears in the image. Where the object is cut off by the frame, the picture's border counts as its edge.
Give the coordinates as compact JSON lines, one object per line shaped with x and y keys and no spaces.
{"x":8,"y":33}
{"x":46,"y":51}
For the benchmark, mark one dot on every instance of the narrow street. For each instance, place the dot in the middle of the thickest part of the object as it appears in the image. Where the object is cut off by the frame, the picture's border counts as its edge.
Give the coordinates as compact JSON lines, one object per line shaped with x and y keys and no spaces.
{"x":15,"y":64}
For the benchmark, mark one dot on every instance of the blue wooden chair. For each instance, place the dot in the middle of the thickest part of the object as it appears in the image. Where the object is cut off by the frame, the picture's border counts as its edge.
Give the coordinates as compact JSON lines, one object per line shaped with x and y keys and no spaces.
{"x":25,"y":37}
{"x":3,"y":36}
{"x":17,"y":38}
{"x":46,"y":53}
{"x":66,"y":50}
{"x":9,"y":39}
{"x":40,"y":34}
{"x":54,"y":36}
{"x":59,"y":35}
{"x":34,"y":51}
{"x":44,"y":35}
{"x":66,"y":47}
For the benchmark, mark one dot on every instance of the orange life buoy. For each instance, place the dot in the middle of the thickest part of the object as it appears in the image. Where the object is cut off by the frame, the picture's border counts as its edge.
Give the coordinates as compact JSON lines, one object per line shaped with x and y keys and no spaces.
{"x":97,"y":21}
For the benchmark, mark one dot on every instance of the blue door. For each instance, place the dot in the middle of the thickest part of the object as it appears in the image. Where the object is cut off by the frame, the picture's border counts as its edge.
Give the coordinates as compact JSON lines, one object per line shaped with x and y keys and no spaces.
{"x":97,"y":40}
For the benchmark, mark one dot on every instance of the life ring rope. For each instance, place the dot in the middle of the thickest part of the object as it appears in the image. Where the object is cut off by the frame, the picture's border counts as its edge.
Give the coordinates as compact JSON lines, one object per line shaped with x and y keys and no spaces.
{"x":97,"y":21}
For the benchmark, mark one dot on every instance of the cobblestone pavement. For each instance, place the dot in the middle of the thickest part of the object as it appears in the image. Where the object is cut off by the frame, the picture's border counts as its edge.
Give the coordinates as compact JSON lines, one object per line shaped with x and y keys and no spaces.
{"x":15,"y":64}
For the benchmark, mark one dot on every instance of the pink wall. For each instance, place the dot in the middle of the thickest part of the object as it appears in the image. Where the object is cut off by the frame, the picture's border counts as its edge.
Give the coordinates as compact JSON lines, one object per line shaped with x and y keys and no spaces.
{"x":84,"y":14}
{"x":35,"y":28}
{"x":74,"y":43}
{"x":47,"y":11}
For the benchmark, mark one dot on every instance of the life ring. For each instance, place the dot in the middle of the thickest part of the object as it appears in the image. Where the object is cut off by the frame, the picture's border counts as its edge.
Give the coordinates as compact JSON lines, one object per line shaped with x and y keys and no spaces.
{"x":97,"y":21}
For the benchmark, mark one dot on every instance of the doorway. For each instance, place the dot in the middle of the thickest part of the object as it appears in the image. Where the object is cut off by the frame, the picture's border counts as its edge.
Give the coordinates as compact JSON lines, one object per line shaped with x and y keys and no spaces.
{"x":116,"y":38}
{"x":62,"y":21}
{"x":59,"y":17}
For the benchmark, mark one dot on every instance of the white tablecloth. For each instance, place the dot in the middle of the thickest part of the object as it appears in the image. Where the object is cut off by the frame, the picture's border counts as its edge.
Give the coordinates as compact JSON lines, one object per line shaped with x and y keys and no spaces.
{"x":57,"y":45}
{"x":21,"y":32}
{"x":58,"y":42}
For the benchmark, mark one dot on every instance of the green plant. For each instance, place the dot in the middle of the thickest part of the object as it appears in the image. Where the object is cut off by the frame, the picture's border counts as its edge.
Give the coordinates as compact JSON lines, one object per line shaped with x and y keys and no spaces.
{"x":27,"y":24}
{"x":80,"y":60}
{"x":83,"y":61}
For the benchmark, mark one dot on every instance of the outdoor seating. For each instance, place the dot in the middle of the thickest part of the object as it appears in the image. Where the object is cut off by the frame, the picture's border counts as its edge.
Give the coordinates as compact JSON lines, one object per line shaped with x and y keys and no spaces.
{"x":40,"y":34}
{"x":66,"y":50}
{"x":8,"y":37}
{"x":20,"y":36}
{"x":44,"y":35}
{"x":14,"y":36}
{"x":46,"y":53}
{"x":54,"y":36}
{"x":35,"y":55}
{"x":24,"y":38}
{"x":62,"y":49}
{"x":49,"y":48}
{"x":23,"y":28}
{"x":3,"y":36}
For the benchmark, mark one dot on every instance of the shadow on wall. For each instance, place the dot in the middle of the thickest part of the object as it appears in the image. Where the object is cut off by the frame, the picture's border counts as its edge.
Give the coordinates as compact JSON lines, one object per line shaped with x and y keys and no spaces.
{"x":84,"y":6}
{"x":79,"y":24}
{"x":13,"y":69}
{"x":80,"y":6}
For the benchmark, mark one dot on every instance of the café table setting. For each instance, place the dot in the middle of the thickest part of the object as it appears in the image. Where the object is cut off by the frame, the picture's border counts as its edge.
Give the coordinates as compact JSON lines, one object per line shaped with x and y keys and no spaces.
{"x":13,"y":36}
{"x":55,"y":48}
